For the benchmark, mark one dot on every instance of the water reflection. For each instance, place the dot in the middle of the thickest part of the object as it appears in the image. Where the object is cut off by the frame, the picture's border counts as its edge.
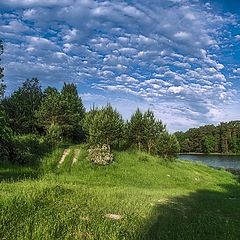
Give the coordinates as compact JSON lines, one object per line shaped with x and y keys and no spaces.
{"x":220,"y":161}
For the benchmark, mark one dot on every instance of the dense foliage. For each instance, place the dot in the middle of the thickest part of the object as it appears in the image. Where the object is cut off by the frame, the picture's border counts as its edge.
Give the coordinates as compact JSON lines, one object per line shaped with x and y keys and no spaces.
{"x":167,"y":145}
{"x":224,"y":138}
{"x":5,"y":136}
{"x":2,"y":85}
{"x":5,"y":131}
{"x":21,"y":106}
{"x":61,"y":113}
{"x":145,"y":132}
{"x":104,"y":126}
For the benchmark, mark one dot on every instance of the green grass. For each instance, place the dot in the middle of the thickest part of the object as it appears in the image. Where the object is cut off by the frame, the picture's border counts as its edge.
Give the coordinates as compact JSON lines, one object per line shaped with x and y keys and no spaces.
{"x":156,"y":199}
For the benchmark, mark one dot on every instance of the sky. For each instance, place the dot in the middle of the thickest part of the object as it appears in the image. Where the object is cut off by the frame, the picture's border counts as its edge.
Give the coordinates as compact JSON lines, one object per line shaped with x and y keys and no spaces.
{"x":180,"y":58}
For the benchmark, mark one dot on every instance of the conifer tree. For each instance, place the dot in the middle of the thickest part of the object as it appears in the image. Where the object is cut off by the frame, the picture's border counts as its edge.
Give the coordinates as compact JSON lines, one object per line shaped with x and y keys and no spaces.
{"x":49,"y":111}
{"x":88,"y":122}
{"x":72,"y":112}
{"x":152,"y":130}
{"x":136,"y":129}
{"x":168,"y":145}
{"x":104,"y":126}
{"x":62,"y":110}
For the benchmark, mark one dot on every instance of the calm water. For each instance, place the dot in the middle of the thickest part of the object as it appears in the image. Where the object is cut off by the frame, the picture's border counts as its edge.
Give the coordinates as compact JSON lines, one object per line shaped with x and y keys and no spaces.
{"x":214,"y":161}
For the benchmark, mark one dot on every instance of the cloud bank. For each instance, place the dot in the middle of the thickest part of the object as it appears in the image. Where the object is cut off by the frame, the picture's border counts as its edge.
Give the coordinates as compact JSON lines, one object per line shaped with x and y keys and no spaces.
{"x":168,"y":55}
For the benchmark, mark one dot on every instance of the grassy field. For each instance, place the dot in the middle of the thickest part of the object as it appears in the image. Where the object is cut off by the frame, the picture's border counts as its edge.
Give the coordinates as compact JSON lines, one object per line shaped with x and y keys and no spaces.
{"x":137,"y":197}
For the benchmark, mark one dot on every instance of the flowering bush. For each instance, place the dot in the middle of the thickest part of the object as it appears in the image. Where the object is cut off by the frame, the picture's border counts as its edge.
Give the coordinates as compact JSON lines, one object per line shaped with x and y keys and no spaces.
{"x":100,"y":155}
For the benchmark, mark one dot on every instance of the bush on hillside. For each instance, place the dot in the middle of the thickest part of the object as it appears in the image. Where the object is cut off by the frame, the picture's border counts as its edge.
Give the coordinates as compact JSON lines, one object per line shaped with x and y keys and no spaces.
{"x":143,"y":158}
{"x":100,"y":155}
{"x":168,"y":146}
{"x":104,"y":126}
{"x":28,"y":149}
{"x":54,"y":134}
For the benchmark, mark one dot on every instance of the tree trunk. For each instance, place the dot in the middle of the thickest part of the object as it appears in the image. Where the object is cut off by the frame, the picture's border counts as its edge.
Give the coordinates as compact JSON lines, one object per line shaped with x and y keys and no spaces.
{"x":149,"y":148}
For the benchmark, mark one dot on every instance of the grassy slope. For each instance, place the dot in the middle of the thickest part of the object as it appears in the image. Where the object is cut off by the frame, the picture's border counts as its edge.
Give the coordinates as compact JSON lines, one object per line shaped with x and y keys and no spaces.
{"x":156,"y":199}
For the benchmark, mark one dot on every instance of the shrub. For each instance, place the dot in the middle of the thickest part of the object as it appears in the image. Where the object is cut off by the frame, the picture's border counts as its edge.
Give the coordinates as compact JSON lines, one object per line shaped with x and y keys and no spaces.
{"x":104,"y":126}
{"x":54,"y":134}
{"x":143,"y":158}
{"x":28,"y":149}
{"x":168,"y":146}
{"x":5,"y":137}
{"x":100,"y":155}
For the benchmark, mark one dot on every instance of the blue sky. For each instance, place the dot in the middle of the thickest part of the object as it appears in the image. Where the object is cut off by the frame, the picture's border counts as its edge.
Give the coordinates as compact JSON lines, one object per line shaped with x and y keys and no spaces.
{"x":181,"y":58}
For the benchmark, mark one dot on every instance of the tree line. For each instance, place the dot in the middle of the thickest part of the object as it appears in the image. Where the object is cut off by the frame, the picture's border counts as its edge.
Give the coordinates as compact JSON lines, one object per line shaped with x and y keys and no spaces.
{"x":223,"y":138}
{"x":59,"y":116}
{"x":50,"y":117}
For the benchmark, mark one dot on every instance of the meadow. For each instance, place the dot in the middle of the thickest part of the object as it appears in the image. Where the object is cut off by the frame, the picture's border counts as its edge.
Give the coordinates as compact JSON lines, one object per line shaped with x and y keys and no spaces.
{"x":138,"y":196}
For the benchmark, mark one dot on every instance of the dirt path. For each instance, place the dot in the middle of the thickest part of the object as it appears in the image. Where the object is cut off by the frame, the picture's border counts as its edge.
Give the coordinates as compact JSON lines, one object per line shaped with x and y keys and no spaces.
{"x":75,"y":157}
{"x":65,"y":153}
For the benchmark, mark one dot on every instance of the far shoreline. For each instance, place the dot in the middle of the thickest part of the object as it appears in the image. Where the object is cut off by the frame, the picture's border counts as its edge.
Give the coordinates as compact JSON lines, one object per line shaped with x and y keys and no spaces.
{"x":210,"y":154}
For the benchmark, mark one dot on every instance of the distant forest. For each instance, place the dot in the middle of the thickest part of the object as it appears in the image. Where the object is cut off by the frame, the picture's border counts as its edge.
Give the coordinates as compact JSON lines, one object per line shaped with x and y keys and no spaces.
{"x":223,"y":138}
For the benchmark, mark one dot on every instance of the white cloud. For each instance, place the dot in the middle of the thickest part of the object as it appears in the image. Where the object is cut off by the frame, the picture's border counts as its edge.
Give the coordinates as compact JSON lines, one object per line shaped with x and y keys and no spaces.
{"x":237,"y":37}
{"x":138,"y":49}
{"x":176,"y":90}
{"x":182,"y":35}
{"x":35,"y":3}
{"x":125,"y":78}
{"x":237,"y":70}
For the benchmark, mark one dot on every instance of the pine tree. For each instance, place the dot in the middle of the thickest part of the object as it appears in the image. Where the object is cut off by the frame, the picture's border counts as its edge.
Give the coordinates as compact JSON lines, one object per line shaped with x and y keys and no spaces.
{"x":88,"y":122}
{"x":168,"y":145}
{"x":49,"y":113}
{"x":72,"y":112}
{"x":104,"y":126}
{"x":136,"y":129}
{"x":63,"y":109}
{"x":152,"y":130}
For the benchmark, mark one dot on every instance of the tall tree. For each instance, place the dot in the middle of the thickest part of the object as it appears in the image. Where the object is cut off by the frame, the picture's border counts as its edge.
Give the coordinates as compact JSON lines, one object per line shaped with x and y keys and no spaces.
{"x":168,"y":145}
{"x":136,"y":129}
{"x":88,"y":122}
{"x":62,"y":110}
{"x":20,"y":107}
{"x":49,"y":113}
{"x":152,"y":130}
{"x":209,"y":143}
{"x":72,"y":112}
{"x":106,"y":126}
{"x":5,"y":133}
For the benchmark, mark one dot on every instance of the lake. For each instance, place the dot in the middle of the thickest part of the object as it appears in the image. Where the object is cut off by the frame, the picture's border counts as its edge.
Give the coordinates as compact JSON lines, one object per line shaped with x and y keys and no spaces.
{"x":219,"y":161}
